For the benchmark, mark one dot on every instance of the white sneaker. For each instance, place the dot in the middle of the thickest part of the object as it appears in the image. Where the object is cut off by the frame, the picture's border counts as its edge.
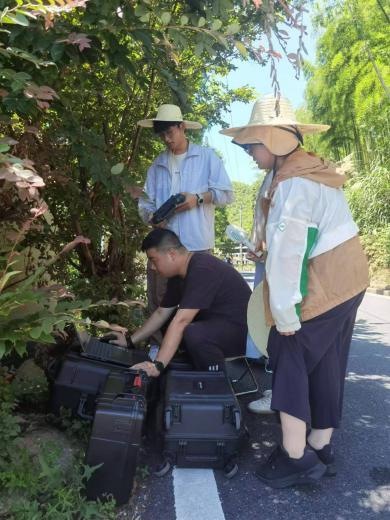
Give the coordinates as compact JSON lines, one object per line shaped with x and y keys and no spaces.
{"x":261,"y":406}
{"x":267,"y":393}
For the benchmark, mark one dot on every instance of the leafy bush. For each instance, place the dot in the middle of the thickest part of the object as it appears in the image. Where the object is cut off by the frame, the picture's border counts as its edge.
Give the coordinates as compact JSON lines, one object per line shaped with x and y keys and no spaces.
{"x":42,"y":491}
{"x":30,"y":385}
{"x":368,"y":194}
{"x":377,"y":246}
{"x":9,"y":424}
{"x":37,"y":487}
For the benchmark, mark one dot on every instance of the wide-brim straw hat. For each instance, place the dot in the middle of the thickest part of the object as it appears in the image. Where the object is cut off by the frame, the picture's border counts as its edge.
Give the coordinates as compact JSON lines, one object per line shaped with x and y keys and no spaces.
{"x":257,"y":326}
{"x":169,"y":113}
{"x":279,"y":132}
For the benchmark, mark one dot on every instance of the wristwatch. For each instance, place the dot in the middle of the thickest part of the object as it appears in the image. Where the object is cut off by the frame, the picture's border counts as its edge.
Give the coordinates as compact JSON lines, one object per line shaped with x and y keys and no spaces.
{"x":199,"y":199}
{"x":159,"y":365}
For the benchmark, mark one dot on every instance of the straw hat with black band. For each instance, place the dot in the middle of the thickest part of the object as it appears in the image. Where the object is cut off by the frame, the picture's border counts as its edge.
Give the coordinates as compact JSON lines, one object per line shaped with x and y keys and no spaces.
{"x":169,"y":113}
{"x":281,"y":133}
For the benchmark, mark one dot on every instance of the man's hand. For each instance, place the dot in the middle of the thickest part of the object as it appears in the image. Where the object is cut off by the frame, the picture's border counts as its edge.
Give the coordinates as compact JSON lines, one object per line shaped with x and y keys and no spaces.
{"x":136,"y":192}
{"x":190,"y":202}
{"x":162,"y":224}
{"x":148,"y":367}
{"x":120,"y":339}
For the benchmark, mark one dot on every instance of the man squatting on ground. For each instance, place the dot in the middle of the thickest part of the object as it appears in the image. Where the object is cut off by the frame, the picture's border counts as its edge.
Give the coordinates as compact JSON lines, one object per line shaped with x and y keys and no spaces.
{"x":316,"y":274}
{"x":196,"y":172}
{"x":210,"y":298}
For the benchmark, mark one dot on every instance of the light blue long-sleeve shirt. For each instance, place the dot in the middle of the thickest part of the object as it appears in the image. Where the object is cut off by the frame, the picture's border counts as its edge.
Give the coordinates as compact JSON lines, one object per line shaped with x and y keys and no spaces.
{"x":201,"y":171}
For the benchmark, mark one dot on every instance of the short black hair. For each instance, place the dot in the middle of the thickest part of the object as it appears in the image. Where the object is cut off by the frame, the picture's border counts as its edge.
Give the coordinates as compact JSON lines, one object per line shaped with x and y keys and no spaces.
{"x":161,"y":239}
{"x":162,"y":126}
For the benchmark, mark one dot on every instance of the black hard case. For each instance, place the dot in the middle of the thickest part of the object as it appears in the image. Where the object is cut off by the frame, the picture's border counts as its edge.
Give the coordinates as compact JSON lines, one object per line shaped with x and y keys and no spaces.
{"x":202,"y":418}
{"x":116,"y":438}
{"x":80,"y":380}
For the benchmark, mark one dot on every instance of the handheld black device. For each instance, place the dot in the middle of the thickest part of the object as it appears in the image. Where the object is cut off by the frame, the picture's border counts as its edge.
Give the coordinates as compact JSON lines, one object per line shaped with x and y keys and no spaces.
{"x":166,"y":210}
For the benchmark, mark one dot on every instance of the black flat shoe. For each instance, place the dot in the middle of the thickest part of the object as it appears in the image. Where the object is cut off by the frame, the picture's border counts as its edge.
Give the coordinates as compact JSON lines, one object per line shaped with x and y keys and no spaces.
{"x":326,"y":456}
{"x":282,"y":471}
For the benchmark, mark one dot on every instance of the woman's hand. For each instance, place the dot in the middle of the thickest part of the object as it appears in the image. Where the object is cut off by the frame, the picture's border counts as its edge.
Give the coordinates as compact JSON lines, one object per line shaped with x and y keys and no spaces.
{"x":253,"y":257}
{"x":148,"y":367}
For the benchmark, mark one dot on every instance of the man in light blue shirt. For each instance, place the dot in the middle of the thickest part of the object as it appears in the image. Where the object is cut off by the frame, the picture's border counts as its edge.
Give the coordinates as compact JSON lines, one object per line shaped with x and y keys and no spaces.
{"x":193,"y":170}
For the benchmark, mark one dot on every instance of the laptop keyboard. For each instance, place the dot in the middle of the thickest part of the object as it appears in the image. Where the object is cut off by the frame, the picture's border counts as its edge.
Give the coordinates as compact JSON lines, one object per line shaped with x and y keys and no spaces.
{"x":99,"y":349}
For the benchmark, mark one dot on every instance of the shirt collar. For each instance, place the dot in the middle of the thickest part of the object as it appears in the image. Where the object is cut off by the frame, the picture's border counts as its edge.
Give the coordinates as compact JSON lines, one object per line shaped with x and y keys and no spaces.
{"x":193,"y":150}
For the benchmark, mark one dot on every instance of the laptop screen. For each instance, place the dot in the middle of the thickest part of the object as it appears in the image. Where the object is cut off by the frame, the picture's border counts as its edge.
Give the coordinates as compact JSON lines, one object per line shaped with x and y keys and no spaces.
{"x":83,"y":337}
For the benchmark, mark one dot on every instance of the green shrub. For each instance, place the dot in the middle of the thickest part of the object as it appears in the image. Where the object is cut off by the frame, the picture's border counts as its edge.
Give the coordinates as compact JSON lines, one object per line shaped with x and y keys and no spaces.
{"x":377,"y":247}
{"x":38,"y":487}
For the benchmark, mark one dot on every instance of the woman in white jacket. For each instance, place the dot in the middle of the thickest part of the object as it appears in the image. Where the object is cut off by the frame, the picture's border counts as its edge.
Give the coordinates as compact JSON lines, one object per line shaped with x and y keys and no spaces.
{"x":316,"y":275}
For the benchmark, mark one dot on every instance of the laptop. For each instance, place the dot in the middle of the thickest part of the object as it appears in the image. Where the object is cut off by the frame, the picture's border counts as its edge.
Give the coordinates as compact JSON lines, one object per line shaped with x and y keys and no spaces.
{"x":93,"y":348}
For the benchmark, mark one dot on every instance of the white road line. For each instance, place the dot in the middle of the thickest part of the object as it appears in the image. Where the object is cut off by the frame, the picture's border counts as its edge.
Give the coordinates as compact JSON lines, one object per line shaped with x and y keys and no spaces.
{"x":196,"y":495}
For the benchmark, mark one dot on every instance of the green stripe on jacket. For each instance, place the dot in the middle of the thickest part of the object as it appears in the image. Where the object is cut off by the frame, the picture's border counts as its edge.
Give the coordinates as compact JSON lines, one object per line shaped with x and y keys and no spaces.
{"x":304,"y":282}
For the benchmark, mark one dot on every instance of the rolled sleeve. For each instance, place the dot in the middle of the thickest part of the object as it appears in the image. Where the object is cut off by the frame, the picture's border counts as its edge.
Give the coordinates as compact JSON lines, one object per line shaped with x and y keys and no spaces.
{"x":146,"y":207}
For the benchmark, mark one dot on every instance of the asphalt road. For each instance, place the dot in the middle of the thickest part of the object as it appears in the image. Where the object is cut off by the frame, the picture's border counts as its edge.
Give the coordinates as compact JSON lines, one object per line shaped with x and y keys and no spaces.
{"x":361,"y":490}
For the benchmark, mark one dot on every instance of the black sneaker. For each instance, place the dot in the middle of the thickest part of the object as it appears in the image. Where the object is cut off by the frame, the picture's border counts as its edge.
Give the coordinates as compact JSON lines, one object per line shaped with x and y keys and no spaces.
{"x":282,"y":471}
{"x":326,"y":456}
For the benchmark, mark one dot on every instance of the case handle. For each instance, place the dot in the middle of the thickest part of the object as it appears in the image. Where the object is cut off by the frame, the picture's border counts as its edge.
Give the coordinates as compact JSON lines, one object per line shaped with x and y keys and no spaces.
{"x":168,"y":418}
{"x":237,"y":419}
{"x":80,"y":410}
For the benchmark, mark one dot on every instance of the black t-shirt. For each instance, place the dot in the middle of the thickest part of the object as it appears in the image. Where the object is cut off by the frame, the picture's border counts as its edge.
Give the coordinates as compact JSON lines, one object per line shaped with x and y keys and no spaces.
{"x":212,"y":286}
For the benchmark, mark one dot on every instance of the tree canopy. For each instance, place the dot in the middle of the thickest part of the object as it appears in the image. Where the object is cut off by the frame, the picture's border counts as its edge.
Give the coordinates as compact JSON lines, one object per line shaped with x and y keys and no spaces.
{"x":349,"y":88}
{"x":76,"y":76}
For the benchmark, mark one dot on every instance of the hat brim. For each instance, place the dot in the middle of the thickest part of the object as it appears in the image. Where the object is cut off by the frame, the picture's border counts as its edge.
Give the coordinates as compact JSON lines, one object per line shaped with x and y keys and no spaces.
{"x":257,"y":326}
{"x":275,"y":139}
{"x":190,"y":125}
{"x":302,"y":127}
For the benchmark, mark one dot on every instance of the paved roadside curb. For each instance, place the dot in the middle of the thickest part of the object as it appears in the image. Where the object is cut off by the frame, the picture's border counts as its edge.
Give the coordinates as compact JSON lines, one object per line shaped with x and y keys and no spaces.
{"x":384,"y":292}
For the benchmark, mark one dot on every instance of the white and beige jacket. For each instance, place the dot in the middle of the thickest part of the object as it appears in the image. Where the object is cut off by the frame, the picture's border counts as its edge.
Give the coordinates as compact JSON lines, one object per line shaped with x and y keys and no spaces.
{"x":314,"y":259}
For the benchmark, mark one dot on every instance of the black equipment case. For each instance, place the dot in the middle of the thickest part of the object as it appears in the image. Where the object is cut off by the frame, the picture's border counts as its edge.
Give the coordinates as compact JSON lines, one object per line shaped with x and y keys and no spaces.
{"x":116,"y":436}
{"x":79,"y":380}
{"x":202,"y":420}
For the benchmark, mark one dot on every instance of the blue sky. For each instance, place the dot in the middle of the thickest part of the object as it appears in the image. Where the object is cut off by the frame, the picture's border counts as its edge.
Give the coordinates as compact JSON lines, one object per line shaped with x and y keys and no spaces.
{"x":238,"y":164}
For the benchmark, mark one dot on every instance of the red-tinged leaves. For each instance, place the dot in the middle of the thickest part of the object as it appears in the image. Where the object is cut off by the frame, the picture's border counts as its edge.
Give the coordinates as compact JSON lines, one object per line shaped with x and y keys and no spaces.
{"x":275,"y":54}
{"x":27,"y":163}
{"x":49,"y":21}
{"x":79,"y":39}
{"x":24,"y":177}
{"x":77,"y":241}
{"x":37,"y":212}
{"x":42,"y":95}
{"x":256,"y":3}
{"x":3,"y":93}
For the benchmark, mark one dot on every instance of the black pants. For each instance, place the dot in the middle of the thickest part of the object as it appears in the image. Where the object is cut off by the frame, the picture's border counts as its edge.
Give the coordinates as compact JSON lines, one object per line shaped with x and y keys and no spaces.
{"x":309,"y":367}
{"x":209,"y":342}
